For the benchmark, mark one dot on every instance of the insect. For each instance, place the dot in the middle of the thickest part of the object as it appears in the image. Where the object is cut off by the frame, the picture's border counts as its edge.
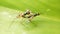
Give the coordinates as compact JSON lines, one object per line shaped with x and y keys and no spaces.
{"x":28,"y":14}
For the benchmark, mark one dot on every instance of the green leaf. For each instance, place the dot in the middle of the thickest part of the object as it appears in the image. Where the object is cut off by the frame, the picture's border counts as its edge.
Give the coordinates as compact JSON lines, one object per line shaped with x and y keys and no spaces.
{"x":47,"y":23}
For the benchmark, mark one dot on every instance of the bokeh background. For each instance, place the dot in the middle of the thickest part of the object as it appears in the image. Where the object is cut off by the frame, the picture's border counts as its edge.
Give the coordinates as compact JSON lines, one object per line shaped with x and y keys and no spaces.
{"x":47,"y":23}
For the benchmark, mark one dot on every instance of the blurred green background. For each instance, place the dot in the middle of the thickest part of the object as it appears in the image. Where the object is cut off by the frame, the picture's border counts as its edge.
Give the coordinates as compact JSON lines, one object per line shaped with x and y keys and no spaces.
{"x":47,"y":23}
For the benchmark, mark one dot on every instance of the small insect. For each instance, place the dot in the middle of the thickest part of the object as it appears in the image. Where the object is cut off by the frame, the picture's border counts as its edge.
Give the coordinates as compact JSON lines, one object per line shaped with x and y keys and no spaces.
{"x":28,"y":14}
